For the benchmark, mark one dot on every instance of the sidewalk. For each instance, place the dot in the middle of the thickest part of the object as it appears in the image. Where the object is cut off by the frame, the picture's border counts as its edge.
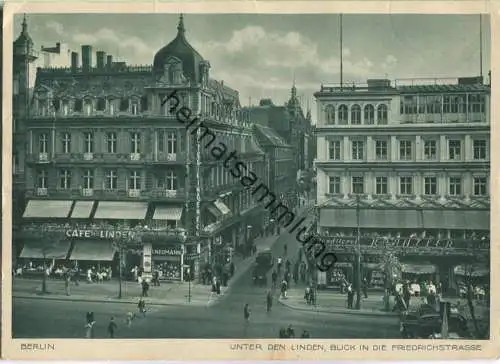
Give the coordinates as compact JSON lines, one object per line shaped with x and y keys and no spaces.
{"x":334,"y":302}
{"x":169,"y":293}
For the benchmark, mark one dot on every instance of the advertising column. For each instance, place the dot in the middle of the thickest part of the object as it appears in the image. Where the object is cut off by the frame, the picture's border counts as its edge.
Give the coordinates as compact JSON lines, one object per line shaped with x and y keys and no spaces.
{"x":146,"y":260}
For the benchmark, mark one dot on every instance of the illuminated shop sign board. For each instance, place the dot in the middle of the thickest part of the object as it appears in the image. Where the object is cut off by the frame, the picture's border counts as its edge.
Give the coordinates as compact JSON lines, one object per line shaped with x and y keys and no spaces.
{"x":446,"y":245}
{"x":167,"y":251}
{"x":98,"y":233}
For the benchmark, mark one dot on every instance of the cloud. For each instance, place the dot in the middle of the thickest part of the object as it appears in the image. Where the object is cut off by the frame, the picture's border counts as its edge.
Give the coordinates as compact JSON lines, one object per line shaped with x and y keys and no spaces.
{"x":55,"y":26}
{"x":132,"y":48}
{"x":390,"y":62}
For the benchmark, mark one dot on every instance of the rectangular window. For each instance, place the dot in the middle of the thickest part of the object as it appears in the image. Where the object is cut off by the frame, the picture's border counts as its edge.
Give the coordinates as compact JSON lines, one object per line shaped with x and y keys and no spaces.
{"x":333,"y":185}
{"x":405,"y":152}
{"x":42,"y":180}
{"x":430,"y":149}
{"x":479,"y":147}
{"x":88,"y":179}
{"x":406,"y":185}
{"x":358,"y":150}
{"x":66,"y":143}
{"x":134,"y":180}
{"x":358,"y":185}
{"x":430,"y":185}
{"x":65,"y":179}
{"x":111,"y":142}
{"x":455,"y":186}
{"x":480,"y":188}
{"x":171,"y":181}
{"x":171,"y":143}
{"x":476,"y":103}
{"x":43,"y":143}
{"x":454,"y":149}
{"x":88,"y":142}
{"x":381,"y":185}
{"x":135,"y":139}
{"x":381,"y":149}
{"x":161,"y":140}
{"x":111,"y":179}
{"x":334,"y":150}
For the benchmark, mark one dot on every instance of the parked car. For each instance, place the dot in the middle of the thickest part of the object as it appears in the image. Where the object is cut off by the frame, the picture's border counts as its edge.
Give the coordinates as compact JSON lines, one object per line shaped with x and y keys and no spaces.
{"x":425,"y":321}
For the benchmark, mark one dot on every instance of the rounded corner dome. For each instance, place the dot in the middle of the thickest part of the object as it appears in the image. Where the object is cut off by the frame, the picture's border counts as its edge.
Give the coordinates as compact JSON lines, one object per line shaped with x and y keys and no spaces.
{"x":179,"y":49}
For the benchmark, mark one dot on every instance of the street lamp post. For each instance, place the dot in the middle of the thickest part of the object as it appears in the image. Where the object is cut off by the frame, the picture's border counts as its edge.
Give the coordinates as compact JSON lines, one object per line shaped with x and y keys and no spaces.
{"x":120,"y":271}
{"x":358,"y":258}
{"x":189,"y":282}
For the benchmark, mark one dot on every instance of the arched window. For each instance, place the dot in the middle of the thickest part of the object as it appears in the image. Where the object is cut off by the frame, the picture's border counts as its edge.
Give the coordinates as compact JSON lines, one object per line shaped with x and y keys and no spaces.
{"x":356,"y":115}
{"x":330,"y":114}
{"x":124,"y":103}
{"x":369,"y":114}
{"x":343,"y":116}
{"x":382,"y":114}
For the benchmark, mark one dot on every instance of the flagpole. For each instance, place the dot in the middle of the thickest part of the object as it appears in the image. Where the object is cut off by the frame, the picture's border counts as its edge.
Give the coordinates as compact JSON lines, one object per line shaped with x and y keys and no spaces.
{"x":341,"y":56}
{"x":480,"y":46}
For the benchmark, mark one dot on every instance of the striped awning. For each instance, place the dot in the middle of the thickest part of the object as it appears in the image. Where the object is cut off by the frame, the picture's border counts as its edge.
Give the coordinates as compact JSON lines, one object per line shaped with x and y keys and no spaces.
{"x":370,"y":218}
{"x":82,"y":209}
{"x":39,"y":249}
{"x":418,"y":268}
{"x":167,"y":213}
{"x":121,"y":210}
{"x":456,"y":219}
{"x":92,"y":250}
{"x":58,"y":209}
{"x":221,"y":206}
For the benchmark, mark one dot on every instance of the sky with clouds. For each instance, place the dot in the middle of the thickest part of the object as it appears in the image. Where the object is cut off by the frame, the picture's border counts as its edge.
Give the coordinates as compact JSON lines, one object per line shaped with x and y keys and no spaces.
{"x":260,"y":55}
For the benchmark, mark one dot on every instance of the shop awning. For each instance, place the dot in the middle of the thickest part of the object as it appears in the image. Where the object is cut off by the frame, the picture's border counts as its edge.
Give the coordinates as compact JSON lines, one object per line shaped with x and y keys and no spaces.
{"x":39,"y":249}
{"x":121,"y":210}
{"x":221,"y":206}
{"x":338,"y":218}
{"x":418,"y":268}
{"x":371,"y":218}
{"x":167,"y":213}
{"x":389,"y":219}
{"x":93,"y":250}
{"x":214,"y":211}
{"x":474,"y":270}
{"x":58,"y":209}
{"x":82,"y":209}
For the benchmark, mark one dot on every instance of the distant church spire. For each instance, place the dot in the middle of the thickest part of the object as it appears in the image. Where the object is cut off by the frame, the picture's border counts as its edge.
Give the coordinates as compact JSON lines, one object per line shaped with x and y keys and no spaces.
{"x":180,"y":28}
{"x":25,"y":25}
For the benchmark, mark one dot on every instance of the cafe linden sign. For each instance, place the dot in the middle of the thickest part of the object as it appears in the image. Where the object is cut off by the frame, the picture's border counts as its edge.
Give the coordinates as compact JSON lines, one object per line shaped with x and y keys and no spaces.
{"x":100,"y":234}
{"x":450,"y":245}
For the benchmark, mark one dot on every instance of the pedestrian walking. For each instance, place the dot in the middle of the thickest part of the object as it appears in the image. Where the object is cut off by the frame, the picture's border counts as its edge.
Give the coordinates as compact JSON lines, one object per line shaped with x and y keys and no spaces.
{"x":67,"y":281}
{"x":89,"y":330}
{"x":129,"y":319}
{"x":305,"y":335}
{"x":145,"y":288}
{"x":284,"y":286}
{"x":290,"y":332}
{"x":365,"y":287}
{"x":112,"y":327}
{"x":274,"y":278}
{"x":90,"y":316}
{"x":141,"y":305}
{"x":246,"y":312}
{"x":269,"y":301}
{"x":350,"y":296}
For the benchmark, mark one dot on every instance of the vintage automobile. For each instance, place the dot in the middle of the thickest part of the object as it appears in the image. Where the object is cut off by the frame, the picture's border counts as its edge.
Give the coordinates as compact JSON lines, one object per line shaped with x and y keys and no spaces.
{"x":263,"y":264}
{"x":424,"y":321}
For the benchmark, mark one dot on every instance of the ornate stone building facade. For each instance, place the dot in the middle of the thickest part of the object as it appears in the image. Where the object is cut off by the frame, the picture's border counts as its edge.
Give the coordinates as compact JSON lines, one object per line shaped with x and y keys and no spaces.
{"x":106,"y":155}
{"x":406,"y":164}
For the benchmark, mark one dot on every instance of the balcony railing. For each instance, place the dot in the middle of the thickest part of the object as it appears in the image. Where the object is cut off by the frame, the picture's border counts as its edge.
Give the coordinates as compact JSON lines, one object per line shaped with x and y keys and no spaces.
{"x":165,"y":193}
{"x":88,"y":156}
{"x":134,"y":193}
{"x":42,"y":192}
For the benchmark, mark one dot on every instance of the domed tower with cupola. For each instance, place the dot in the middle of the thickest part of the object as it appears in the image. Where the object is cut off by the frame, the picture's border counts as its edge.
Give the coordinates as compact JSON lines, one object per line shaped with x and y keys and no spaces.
{"x":178,"y":63}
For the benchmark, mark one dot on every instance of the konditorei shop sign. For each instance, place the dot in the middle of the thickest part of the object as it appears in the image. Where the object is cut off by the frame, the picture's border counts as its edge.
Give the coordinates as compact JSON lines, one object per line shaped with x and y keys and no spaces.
{"x":405,"y":243}
{"x":100,"y":233}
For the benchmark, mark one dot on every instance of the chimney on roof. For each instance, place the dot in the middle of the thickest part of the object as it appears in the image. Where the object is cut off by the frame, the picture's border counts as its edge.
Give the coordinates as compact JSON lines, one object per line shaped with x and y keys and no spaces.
{"x":58,"y":47}
{"x":86,"y":57}
{"x":74,"y":61}
{"x":109,"y":61}
{"x":100,"y":56}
